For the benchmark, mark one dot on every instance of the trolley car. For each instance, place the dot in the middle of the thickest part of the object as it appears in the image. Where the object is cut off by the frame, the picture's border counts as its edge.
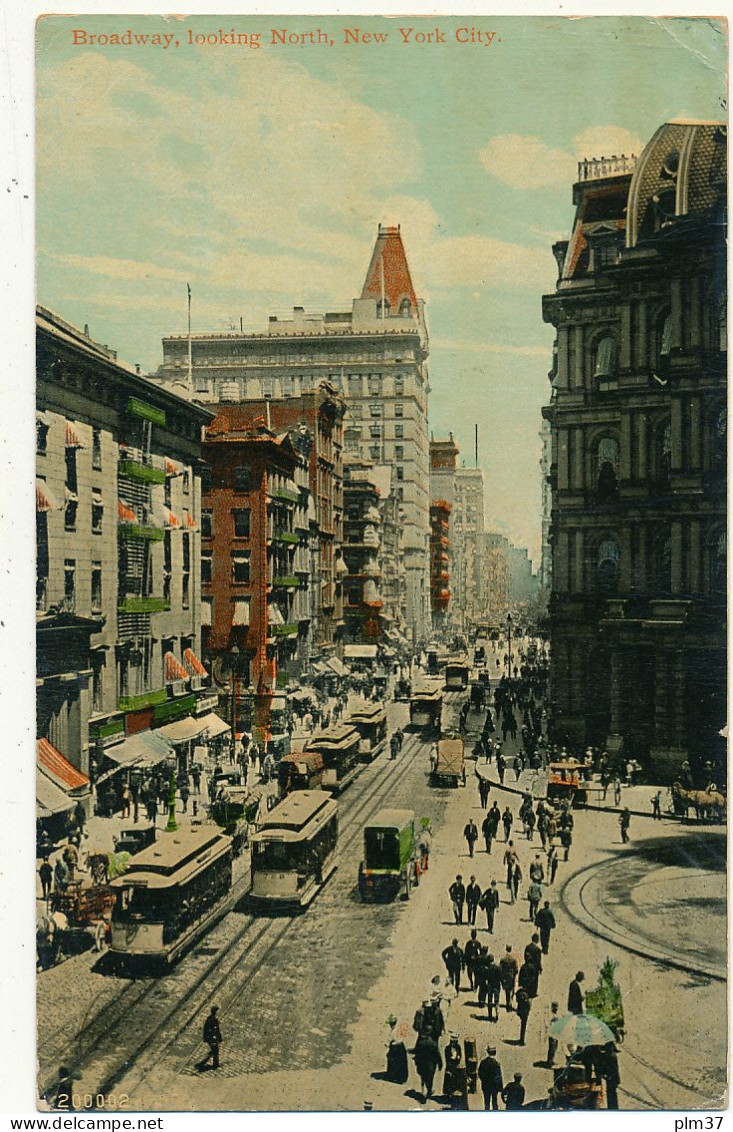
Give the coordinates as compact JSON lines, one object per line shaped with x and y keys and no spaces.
{"x":339,"y":749}
{"x":293,"y":851}
{"x":171,"y":894}
{"x":426,"y":708}
{"x":566,"y":782}
{"x":371,"y":723}
{"x":389,"y":855}
{"x":456,"y":675}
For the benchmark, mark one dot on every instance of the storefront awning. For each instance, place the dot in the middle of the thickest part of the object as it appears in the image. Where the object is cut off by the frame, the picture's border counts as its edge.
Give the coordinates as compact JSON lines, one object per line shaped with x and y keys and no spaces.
{"x":49,"y":798}
{"x":58,"y":768}
{"x":336,"y":666}
{"x":214,"y":724}
{"x":145,"y":749}
{"x":125,"y":514}
{"x":44,"y":499}
{"x":174,"y":670}
{"x":319,"y":668}
{"x":193,"y":664}
{"x":72,"y":437}
{"x":182,"y":730}
{"x":360,"y":652}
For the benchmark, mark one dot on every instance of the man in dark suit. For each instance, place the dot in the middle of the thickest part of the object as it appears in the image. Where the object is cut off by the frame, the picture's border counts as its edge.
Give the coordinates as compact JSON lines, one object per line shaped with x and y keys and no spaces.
{"x":427,"y":1060}
{"x":533,"y":953}
{"x":457,"y":893}
{"x":473,"y":895}
{"x":453,"y":959}
{"x":489,"y":1074}
{"x":490,"y":903}
{"x":545,"y":921}
{"x":576,"y":997}
{"x":514,"y":1094}
{"x":212,"y":1037}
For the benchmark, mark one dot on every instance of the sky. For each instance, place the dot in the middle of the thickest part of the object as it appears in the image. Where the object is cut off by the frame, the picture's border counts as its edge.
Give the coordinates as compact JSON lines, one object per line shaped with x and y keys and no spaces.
{"x":259,"y":176}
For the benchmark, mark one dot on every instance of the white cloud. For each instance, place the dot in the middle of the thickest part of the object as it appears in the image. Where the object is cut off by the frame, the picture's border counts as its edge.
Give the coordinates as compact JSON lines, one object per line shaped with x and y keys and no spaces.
{"x":526,"y":162}
{"x":122,"y":269}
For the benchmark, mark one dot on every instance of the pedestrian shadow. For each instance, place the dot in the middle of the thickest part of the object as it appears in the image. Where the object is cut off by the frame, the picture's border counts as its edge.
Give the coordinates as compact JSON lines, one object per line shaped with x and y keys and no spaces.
{"x":414,"y":1095}
{"x":477,"y":1017}
{"x":512,"y":1042}
{"x":542,"y":1065}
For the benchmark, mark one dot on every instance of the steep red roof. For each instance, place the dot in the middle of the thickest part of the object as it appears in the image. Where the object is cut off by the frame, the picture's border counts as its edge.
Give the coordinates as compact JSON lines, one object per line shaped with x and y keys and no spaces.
{"x":390,"y":251}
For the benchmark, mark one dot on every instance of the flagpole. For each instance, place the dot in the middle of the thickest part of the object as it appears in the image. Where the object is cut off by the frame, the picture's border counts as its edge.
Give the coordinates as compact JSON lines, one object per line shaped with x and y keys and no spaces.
{"x":381,"y":278}
{"x":190,"y":354}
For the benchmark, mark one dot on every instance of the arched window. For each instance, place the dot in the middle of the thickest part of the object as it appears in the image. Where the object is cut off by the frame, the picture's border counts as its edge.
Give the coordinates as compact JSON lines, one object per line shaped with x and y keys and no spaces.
{"x":663,"y":454}
{"x":405,"y":308}
{"x":719,"y":438}
{"x":607,"y":567}
{"x":607,"y":465}
{"x":718,"y":550}
{"x":664,"y":336}
{"x":605,"y":358}
{"x":386,"y":308}
{"x":663,"y":564}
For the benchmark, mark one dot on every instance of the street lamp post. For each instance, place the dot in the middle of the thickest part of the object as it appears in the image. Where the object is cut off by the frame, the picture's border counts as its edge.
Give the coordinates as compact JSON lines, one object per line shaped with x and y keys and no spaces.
{"x":509,"y":636}
{"x":234,"y":653}
{"x":172,"y":825}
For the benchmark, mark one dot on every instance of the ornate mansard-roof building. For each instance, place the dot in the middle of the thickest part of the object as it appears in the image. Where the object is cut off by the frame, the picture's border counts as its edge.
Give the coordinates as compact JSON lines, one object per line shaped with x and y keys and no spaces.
{"x":638,"y":468}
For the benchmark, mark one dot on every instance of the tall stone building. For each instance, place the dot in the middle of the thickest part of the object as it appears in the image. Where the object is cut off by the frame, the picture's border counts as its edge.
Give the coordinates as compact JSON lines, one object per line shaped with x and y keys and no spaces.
{"x":118,"y":509}
{"x":375,"y":353}
{"x":638,"y":419}
{"x":467,"y":523}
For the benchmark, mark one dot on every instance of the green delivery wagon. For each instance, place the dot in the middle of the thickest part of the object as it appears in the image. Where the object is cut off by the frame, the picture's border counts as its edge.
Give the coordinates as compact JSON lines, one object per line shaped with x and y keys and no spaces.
{"x":389,"y":856}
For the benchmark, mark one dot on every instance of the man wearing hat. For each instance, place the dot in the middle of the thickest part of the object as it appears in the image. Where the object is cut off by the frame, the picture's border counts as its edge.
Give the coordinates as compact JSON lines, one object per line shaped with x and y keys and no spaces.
{"x":212,"y":1037}
{"x":489,"y":1074}
{"x":513,"y":1095}
{"x":611,"y":1074}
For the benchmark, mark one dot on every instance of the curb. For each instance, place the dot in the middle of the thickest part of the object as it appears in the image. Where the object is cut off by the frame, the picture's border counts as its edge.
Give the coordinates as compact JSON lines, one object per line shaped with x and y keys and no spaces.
{"x":571,"y":897}
{"x":588,"y":806}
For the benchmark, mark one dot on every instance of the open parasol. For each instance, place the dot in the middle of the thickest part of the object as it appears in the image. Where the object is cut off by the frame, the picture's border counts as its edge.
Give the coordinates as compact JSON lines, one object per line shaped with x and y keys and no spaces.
{"x":581,"y":1030}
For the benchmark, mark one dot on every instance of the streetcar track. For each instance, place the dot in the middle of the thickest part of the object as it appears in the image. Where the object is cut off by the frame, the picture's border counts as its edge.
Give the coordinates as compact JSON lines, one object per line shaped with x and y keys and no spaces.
{"x":386,"y":778}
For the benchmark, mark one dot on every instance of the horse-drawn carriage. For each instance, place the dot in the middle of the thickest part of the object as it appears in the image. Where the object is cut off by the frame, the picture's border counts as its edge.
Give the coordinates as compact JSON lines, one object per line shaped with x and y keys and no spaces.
{"x":709,"y":805}
{"x":77,"y":918}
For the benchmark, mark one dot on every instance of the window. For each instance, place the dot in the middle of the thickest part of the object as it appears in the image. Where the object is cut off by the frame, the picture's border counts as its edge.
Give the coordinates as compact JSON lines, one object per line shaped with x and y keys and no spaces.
{"x":70,"y":584}
{"x":240,"y":611}
{"x":399,"y":385}
{"x":605,"y":358}
{"x":71,"y":478}
{"x":240,"y":568}
{"x":97,"y":664}
{"x":186,"y":481}
{"x":205,"y":568}
{"x":718,"y":565}
{"x":399,"y":409}
{"x":665,"y":335}
{"x":41,"y":438}
{"x":70,"y":509}
{"x":663,"y":564}
{"x":374,"y":452}
{"x":607,"y":567}
{"x":354,"y":385}
{"x":200,"y":382}
{"x":242,"y":522}
{"x":375,"y":431}
{"x":185,"y":590}
{"x":607,"y":465}
{"x":375,"y":409}
{"x":375,"y":384}
{"x":205,"y":478}
{"x":399,"y":451}
{"x":401,"y":494}
{"x":400,"y":472}
{"x":399,"y":431}
{"x":242,"y":478}
{"x":383,"y":308}
{"x":97,"y":449}
{"x":206,"y":524}
{"x":123,"y":676}
{"x":663,"y":454}
{"x":186,"y":539}
{"x":167,"y":565}
{"x":354,"y":596}
{"x":96,"y":587}
{"x":167,"y":492}
{"x":405,"y":308}
{"x":97,"y":512}
{"x":186,"y":573}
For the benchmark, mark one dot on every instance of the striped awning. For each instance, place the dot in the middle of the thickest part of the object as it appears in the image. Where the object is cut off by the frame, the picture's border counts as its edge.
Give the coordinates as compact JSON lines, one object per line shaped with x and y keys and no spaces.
{"x":174,"y":670}
{"x":193,"y":664}
{"x":169,"y":519}
{"x":172,"y":467}
{"x":58,"y":768}
{"x":72,"y":437}
{"x":124,"y":513}
{"x":44,"y":499}
{"x":190,"y":521}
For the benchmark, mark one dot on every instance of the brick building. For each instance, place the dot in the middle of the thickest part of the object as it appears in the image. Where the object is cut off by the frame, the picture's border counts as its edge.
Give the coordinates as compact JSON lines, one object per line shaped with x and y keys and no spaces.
{"x":362,"y":554}
{"x":638,"y":474}
{"x":255,"y":560}
{"x":440,"y":511}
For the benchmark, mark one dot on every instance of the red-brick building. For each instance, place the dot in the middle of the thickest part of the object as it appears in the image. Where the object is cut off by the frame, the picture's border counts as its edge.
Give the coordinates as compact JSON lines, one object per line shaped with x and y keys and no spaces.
{"x":254,"y":560}
{"x":440,"y":511}
{"x":321,"y":412}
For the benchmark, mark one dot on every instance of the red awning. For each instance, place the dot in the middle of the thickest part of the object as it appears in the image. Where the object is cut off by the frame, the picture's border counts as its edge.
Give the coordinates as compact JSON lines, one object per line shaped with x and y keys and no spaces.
{"x":125,"y":514}
{"x":58,"y":767}
{"x":190,"y":521}
{"x":174,"y":670}
{"x":172,"y":467}
{"x":44,"y":499}
{"x":169,"y":519}
{"x":193,"y":664}
{"x":72,"y":437}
